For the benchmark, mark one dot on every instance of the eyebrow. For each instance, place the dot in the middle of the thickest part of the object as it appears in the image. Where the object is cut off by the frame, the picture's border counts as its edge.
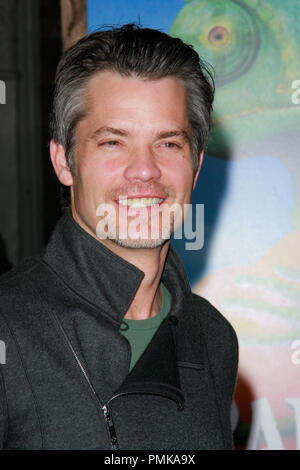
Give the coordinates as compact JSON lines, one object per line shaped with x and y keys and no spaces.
{"x":108,"y":130}
{"x":175,"y":133}
{"x":122,"y":133}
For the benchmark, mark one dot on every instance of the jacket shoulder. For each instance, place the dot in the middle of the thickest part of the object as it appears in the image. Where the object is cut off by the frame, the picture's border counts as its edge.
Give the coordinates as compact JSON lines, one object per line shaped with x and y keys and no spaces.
{"x":210,"y":316}
{"x":17,"y":288}
{"x":221,"y":351}
{"x":15,"y":276}
{"x":203,"y":326}
{"x":220,"y":339}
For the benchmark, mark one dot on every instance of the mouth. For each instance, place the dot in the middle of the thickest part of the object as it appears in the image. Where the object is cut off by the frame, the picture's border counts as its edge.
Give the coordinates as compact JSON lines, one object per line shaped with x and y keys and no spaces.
{"x":140,"y":202}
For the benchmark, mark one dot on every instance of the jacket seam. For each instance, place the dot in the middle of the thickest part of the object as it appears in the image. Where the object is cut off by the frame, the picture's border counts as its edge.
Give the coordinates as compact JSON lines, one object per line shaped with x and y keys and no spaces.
{"x":18,"y":349}
{"x":190,"y":365}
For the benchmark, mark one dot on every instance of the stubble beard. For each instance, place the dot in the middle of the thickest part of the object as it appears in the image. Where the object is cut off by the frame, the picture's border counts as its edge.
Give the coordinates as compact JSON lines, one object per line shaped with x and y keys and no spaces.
{"x":165,"y":233}
{"x":158,"y":231}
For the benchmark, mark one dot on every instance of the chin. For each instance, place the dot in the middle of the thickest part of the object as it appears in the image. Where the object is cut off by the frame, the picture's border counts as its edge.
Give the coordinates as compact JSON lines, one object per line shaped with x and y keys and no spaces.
{"x":140,"y":243}
{"x":137,"y":241}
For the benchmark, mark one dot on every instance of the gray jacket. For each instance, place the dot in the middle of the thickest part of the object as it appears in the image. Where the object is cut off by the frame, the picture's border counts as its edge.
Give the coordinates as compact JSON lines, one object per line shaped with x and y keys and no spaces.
{"x":65,"y":383}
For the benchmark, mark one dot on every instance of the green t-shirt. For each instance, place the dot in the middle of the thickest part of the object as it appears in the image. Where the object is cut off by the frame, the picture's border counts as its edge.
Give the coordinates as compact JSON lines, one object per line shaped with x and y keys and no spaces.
{"x":140,"y":332}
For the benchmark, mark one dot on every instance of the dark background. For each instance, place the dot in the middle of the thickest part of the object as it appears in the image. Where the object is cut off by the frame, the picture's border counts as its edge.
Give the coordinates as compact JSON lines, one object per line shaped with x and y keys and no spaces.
{"x":30,"y":48}
{"x":50,"y":51}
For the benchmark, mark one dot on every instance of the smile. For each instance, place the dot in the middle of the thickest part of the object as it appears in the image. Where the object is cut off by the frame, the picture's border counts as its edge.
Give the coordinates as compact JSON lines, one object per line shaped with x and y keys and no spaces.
{"x":140,"y":202}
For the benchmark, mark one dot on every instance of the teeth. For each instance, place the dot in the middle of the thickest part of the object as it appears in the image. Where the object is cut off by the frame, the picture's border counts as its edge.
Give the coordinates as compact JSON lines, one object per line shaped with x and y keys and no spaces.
{"x":140,"y":202}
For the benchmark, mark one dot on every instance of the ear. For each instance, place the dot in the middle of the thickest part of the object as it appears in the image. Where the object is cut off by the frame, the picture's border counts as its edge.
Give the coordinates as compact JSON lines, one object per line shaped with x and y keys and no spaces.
{"x":198,"y":169}
{"x":60,"y":164}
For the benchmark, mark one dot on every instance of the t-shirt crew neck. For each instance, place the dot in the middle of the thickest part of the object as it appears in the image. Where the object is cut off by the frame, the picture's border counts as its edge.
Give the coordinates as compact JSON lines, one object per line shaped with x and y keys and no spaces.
{"x":140,"y":332}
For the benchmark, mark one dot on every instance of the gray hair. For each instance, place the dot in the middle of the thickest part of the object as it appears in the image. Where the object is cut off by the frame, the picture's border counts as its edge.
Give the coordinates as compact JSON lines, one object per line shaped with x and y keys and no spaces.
{"x":130,"y":51}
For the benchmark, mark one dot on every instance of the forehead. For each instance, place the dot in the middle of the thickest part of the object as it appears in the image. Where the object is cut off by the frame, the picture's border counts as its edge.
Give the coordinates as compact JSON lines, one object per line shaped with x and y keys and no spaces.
{"x":100,"y":82}
{"x":131,"y":99}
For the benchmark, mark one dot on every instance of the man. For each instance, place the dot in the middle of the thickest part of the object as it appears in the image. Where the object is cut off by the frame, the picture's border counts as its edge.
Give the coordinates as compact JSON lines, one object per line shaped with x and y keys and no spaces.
{"x":107,"y":348}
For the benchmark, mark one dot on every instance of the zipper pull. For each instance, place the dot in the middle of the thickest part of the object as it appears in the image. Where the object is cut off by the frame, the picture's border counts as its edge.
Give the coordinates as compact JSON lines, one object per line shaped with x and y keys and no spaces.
{"x":111,"y":427}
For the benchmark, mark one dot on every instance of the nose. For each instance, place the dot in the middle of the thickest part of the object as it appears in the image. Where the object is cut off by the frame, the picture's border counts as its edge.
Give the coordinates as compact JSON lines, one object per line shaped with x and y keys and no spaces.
{"x":142,"y":165}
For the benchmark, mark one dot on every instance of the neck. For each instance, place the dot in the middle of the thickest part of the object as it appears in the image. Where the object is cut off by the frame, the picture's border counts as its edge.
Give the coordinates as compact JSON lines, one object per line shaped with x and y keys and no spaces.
{"x":147,"y":301}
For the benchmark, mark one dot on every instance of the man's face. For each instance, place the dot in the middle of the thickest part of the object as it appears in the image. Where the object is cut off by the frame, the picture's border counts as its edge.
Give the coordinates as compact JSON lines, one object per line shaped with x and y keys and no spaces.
{"x":134,"y":144}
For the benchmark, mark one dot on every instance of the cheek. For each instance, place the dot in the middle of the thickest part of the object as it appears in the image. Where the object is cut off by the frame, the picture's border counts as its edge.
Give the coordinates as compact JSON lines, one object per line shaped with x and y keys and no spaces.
{"x":97,"y":178}
{"x":181,"y":178}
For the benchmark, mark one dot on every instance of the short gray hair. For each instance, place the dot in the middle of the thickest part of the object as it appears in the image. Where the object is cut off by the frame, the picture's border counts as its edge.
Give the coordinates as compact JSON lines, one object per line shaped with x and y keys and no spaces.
{"x":130,"y":51}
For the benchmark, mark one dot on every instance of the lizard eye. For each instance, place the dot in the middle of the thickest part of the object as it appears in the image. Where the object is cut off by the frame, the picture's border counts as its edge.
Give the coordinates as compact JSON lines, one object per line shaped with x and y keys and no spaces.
{"x":219,"y":36}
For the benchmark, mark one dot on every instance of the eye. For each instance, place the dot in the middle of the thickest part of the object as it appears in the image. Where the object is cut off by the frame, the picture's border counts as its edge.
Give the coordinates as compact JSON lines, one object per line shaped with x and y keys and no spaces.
{"x":109,"y":143}
{"x":171,"y":145}
{"x":219,"y":36}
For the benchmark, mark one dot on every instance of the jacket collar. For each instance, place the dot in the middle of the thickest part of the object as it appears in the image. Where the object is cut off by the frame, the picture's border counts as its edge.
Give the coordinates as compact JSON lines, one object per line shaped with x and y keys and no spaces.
{"x":100,"y":276}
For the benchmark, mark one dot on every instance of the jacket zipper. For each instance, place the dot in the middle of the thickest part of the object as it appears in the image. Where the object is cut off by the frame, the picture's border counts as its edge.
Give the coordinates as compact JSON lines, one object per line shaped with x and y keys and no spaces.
{"x":105,"y":409}
{"x":111,"y":427}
